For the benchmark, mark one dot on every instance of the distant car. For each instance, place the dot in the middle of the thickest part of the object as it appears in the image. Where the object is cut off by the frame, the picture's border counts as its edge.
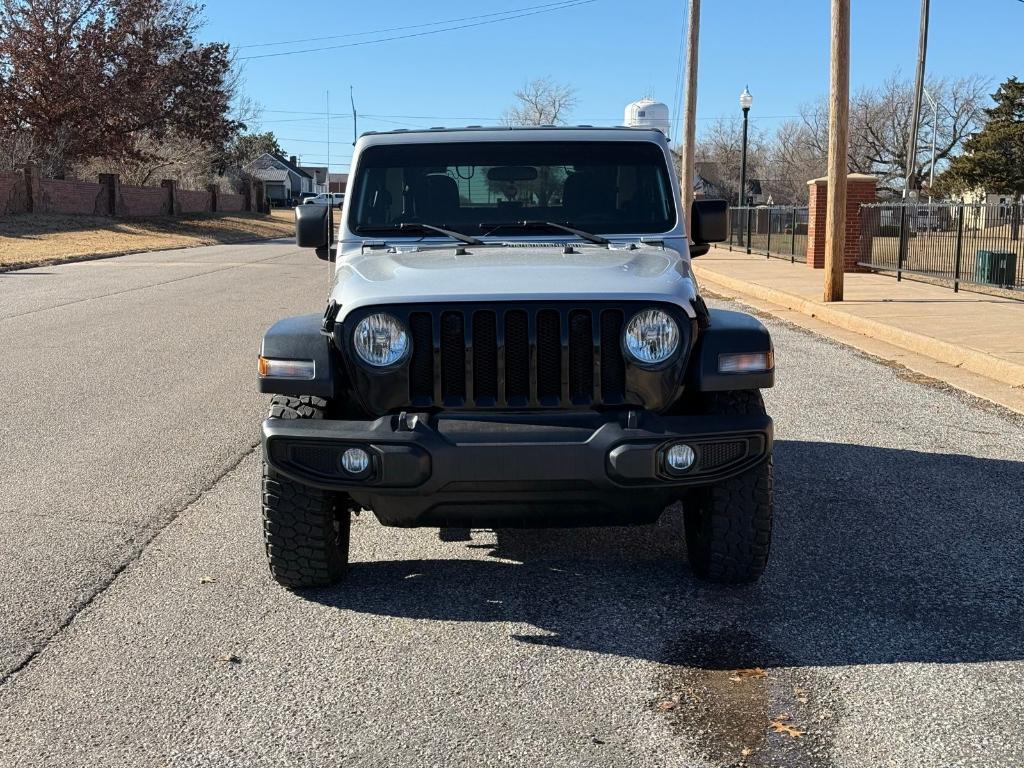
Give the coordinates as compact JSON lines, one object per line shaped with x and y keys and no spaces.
{"x":334,"y":199}
{"x":305,"y":197}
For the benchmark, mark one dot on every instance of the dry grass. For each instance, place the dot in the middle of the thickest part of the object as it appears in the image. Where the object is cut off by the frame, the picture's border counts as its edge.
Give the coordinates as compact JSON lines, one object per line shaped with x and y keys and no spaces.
{"x":31,"y":240}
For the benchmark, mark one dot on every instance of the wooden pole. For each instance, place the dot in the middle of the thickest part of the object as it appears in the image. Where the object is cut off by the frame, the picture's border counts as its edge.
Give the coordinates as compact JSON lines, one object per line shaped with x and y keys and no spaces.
{"x":910,"y":183}
{"x":838,"y":125}
{"x":690,"y":109}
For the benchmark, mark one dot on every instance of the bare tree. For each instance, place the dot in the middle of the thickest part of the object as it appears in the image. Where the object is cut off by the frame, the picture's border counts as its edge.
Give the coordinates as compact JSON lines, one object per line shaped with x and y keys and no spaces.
{"x":879,"y":124}
{"x":720,"y":149}
{"x":541,"y":102}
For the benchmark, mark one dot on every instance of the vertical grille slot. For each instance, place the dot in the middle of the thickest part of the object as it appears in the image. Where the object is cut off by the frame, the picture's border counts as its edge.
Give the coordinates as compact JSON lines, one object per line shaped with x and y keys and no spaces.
{"x":549,"y":357}
{"x":453,"y":359}
{"x":485,"y":359}
{"x":517,"y":358}
{"x":613,"y":367}
{"x":581,"y":357}
{"x":421,"y":366}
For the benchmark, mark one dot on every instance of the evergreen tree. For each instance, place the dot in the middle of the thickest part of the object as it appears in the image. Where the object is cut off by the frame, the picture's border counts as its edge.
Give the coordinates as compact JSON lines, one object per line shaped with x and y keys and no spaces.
{"x":993,"y":158}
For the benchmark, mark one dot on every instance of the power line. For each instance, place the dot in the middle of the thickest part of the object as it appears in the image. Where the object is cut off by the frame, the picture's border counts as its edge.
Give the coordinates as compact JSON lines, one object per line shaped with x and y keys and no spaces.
{"x":572,"y":4}
{"x":409,"y":26}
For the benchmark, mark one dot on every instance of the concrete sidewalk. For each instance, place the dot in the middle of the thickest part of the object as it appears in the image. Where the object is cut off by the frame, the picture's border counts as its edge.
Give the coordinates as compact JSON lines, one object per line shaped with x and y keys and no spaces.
{"x":965,"y":331}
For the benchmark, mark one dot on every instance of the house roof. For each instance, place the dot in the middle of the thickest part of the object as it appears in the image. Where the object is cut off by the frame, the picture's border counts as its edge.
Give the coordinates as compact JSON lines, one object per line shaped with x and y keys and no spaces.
{"x":269,"y":160}
{"x":270,"y":174}
{"x":289,"y":164}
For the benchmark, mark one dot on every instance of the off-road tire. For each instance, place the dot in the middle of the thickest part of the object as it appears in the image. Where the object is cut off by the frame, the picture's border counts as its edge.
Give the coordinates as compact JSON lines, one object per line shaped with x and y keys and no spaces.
{"x":729,"y":525}
{"x":305,"y":530}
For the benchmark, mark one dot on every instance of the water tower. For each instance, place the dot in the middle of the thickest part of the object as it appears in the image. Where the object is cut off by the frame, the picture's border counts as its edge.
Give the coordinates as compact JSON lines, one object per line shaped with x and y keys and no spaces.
{"x":648,"y":113}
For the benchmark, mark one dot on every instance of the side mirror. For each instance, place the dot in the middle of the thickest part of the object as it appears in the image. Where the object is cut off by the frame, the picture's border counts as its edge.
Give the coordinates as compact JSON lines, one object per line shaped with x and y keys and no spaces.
{"x":312,"y":229}
{"x":708,"y":224}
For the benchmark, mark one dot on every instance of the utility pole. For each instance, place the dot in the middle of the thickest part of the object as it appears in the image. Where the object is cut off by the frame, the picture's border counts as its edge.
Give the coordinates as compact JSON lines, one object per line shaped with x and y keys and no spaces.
{"x":915,"y":115}
{"x":838,"y":128}
{"x":690,"y":108}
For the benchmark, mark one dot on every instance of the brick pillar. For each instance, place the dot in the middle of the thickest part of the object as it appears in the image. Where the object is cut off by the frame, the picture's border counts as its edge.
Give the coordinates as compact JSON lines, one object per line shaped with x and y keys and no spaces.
{"x":860,"y":188}
{"x":33,"y":189}
{"x":109,"y":201}
{"x":212,"y":189}
{"x":171,"y":205}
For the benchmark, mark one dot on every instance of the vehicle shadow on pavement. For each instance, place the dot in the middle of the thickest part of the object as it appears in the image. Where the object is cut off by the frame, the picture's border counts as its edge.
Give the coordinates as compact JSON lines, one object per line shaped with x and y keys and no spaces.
{"x":880,"y":556}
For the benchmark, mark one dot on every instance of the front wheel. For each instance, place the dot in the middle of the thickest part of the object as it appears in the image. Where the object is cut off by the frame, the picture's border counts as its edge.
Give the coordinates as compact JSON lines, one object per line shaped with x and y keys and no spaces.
{"x":728,"y":526}
{"x":305,"y":529}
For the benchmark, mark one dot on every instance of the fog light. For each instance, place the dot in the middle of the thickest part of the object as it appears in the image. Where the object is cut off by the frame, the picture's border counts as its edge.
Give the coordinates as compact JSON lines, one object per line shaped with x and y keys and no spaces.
{"x":355,"y":461}
{"x":679,"y":457}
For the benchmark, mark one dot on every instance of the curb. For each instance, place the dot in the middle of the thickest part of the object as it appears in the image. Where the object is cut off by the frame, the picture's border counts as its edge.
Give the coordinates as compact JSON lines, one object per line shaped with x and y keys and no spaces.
{"x":981,"y":363}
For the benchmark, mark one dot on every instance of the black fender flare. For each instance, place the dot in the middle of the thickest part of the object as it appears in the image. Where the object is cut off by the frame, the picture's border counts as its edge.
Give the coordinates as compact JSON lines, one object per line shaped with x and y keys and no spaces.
{"x":728,"y":331}
{"x":299,"y":338}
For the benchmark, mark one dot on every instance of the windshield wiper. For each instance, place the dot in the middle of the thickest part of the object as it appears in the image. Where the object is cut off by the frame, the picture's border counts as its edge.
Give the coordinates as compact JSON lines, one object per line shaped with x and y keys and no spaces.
{"x":467,"y":239}
{"x":588,"y":236}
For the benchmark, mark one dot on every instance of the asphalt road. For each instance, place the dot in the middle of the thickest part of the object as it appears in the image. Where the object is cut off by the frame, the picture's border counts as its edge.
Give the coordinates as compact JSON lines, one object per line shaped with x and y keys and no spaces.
{"x":140,"y":627}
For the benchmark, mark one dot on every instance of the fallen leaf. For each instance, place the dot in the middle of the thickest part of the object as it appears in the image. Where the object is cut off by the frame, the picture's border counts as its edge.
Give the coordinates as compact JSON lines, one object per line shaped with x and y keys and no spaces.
{"x":667,"y":705}
{"x":230,"y":658}
{"x":780,"y":727}
{"x":746,"y":752}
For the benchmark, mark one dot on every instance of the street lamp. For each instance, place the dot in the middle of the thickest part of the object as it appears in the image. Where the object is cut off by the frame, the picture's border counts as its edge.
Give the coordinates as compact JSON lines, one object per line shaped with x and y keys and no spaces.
{"x":746,"y":100}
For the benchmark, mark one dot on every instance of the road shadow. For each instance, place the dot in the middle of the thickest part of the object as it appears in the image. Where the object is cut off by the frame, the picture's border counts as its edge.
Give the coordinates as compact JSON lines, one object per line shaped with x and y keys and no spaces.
{"x":880,"y":556}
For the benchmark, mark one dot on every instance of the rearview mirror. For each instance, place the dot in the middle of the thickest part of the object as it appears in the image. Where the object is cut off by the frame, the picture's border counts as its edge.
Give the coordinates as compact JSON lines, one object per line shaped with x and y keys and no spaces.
{"x":512,"y":173}
{"x":708,"y":224}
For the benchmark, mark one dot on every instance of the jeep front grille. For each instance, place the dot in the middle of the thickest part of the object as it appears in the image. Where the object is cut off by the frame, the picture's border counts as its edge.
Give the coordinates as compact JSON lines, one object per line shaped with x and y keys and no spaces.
{"x":492,"y":357}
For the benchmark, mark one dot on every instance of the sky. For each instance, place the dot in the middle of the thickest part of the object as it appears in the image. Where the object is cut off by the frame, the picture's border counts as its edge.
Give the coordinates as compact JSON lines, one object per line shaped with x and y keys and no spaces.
{"x":611,"y":51}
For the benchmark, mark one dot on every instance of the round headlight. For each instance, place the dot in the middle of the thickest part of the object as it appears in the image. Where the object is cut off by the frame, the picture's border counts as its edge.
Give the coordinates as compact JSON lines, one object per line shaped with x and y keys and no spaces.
{"x":651,"y":336}
{"x":380,"y":340}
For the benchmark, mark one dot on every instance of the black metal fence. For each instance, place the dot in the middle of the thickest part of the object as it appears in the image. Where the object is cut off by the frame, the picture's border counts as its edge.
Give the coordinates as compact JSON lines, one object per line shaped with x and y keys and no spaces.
{"x":950,"y":242}
{"x":777,"y":231}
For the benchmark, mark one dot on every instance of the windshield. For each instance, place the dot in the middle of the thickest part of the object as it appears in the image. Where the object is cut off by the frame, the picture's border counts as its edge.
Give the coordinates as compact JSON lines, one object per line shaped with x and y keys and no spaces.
{"x":614,"y":187}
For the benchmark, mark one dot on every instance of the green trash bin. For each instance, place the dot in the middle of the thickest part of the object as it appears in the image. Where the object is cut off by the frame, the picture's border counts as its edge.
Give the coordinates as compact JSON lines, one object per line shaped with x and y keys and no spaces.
{"x":996,"y":268}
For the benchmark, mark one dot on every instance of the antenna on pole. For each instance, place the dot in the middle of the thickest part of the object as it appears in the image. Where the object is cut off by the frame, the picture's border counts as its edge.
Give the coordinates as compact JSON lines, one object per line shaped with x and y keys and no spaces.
{"x":327,"y":180}
{"x":355,"y":130}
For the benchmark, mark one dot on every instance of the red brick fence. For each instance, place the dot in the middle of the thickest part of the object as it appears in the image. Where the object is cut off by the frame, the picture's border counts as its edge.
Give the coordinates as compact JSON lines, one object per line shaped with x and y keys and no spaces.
{"x":24,"y":191}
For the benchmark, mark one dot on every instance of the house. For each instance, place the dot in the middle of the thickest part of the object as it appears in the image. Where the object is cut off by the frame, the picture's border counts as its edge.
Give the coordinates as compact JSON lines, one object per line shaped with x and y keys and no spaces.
{"x":986,"y":209}
{"x":319,"y":174}
{"x":282,"y":179}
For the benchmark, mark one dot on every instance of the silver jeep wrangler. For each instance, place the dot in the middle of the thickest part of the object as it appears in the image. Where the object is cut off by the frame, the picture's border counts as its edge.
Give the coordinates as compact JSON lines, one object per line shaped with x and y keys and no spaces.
{"x":514,"y":337}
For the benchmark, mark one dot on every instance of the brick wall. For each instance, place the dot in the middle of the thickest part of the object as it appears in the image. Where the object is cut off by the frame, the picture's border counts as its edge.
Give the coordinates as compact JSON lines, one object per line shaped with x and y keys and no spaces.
{"x":190,"y":201}
{"x":144,"y":201}
{"x":860,"y":188}
{"x":13,"y":195}
{"x":230,"y":203}
{"x":73,"y":197}
{"x":24,"y":191}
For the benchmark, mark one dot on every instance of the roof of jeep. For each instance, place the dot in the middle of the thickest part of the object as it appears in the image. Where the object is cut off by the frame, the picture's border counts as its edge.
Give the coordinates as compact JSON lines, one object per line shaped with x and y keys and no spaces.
{"x":504,"y":133}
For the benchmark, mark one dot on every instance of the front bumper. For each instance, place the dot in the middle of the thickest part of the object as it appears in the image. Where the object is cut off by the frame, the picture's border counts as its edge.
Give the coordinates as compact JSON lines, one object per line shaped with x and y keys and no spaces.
{"x":523,"y":468}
